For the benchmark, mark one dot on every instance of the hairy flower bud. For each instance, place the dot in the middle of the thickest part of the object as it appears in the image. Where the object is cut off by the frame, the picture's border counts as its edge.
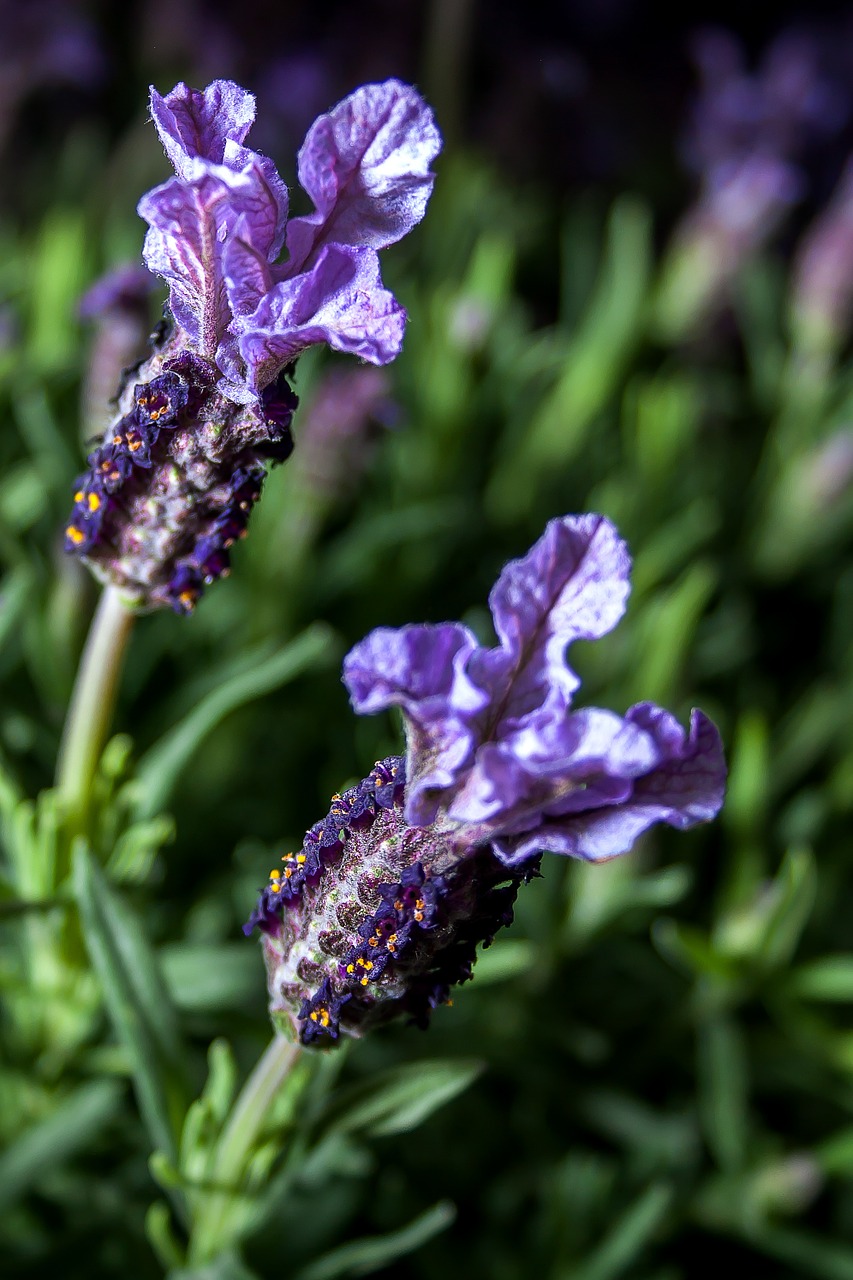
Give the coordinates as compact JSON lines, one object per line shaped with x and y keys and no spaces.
{"x":373,"y":917}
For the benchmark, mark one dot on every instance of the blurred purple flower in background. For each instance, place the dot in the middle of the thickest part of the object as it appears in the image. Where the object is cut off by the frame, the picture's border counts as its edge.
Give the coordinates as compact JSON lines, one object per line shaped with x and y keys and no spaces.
{"x":119,"y":307}
{"x":46,"y":43}
{"x":384,"y":906}
{"x":822,"y":288}
{"x":172,"y":486}
{"x":748,"y":135}
{"x":789,"y":102}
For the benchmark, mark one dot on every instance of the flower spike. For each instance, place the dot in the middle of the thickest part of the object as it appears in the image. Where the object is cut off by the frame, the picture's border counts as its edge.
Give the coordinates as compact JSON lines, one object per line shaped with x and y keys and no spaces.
{"x":421,"y":862}
{"x":166,"y":497}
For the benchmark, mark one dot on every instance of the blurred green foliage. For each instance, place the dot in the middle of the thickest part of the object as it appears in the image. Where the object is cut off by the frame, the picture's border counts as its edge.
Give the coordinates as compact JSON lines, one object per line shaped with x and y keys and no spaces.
{"x":652,"y":1075}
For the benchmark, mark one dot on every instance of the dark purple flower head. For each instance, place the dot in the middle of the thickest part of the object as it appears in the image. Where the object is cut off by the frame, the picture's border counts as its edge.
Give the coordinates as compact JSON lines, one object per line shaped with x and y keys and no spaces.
{"x":414,"y":872}
{"x":182,"y":487}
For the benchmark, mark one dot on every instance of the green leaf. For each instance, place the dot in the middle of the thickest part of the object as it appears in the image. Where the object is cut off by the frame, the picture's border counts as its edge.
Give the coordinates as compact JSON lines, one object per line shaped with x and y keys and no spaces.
{"x":805,"y":1253}
{"x":207,"y":976}
{"x":505,"y":959}
{"x":137,"y":1001}
{"x":724,"y":1091}
{"x":206,"y":1116}
{"x":57,"y":259}
{"x":795,"y":887}
{"x":164,"y":1242}
{"x":402,"y":1098}
{"x":689,"y":950}
{"x":749,"y":776}
{"x":160,"y":768}
{"x":593,"y":365}
{"x":829,"y":978}
{"x":228,"y":1266}
{"x":360,"y":1257}
{"x":78,"y":1119}
{"x":666,"y":631}
{"x":17,"y":592}
{"x":631,"y":1233}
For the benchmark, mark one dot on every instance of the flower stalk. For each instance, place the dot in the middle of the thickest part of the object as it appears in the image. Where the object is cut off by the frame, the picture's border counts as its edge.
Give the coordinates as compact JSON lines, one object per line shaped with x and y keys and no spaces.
{"x":215,"y":1229}
{"x":87,"y":724}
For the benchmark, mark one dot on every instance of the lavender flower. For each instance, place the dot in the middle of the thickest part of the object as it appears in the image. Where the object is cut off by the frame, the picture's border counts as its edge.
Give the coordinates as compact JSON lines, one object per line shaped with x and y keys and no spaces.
{"x":748,"y":136}
{"x":822,"y":287}
{"x":172,"y":485}
{"x":383,"y":908}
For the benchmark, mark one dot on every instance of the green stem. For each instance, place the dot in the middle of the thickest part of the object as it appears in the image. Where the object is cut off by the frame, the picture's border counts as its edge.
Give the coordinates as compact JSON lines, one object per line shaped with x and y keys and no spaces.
{"x":90,"y":713}
{"x":213,"y":1231}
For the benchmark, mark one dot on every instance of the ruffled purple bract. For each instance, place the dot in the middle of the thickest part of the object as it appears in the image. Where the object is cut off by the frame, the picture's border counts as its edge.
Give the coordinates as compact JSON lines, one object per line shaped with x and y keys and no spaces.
{"x":496,"y":750}
{"x":217,"y":229}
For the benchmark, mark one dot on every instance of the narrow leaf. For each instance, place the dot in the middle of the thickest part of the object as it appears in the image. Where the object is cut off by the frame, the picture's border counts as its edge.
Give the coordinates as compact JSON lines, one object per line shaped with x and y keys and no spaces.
{"x":45,"y":1146}
{"x":137,"y":1001}
{"x":628,"y":1237}
{"x":161,"y":766}
{"x":209,"y":976}
{"x":401,"y":1099}
{"x":361,"y":1257}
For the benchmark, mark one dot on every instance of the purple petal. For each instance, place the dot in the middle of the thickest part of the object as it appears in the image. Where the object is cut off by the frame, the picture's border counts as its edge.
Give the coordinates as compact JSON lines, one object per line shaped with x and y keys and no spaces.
{"x":184,"y":245}
{"x":340,"y":301}
{"x":422,"y":670}
{"x":193,"y":122}
{"x":247,"y":273}
{"x":366,"y":167}
{"x":557,"y":763}
{"x":692,"y":784}
{"x":192,"y":222}
{"x":571,"y":585}
{"x":265,"y":205}
{"x":686,"y":789}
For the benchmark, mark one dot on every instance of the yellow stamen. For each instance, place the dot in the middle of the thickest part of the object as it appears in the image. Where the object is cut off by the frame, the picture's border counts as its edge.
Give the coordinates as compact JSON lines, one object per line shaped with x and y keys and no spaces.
{"x":75,"y":535}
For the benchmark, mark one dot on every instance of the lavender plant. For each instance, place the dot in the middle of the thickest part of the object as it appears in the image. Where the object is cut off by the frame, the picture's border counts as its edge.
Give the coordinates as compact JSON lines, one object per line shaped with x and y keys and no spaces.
{"x":664,"y":1144}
